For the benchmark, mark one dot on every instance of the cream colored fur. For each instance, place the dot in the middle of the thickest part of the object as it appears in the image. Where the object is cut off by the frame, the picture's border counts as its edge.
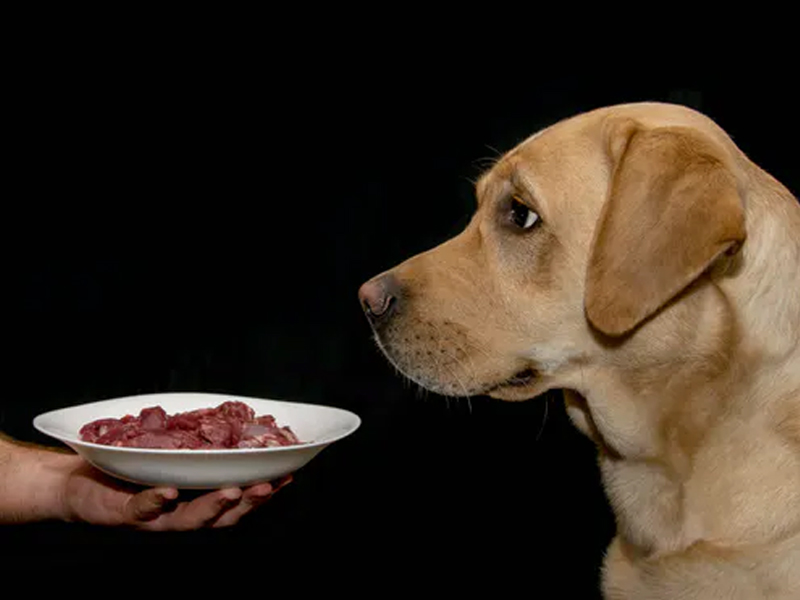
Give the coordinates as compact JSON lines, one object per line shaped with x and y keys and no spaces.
{"x":661,"y":290}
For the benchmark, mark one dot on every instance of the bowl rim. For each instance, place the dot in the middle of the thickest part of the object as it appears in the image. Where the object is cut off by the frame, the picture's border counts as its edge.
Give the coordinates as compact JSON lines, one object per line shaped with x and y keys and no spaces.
{"x":76,"y":442}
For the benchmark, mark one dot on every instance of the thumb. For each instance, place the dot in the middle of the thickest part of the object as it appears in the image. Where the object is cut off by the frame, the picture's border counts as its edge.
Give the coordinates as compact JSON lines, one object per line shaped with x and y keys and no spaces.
{"x":149,"y":504}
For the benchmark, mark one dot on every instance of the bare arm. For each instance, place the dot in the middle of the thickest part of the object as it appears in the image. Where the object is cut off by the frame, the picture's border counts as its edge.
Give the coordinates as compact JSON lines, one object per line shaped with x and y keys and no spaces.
{"x":31,"y":481}
{"x":39,"y":484}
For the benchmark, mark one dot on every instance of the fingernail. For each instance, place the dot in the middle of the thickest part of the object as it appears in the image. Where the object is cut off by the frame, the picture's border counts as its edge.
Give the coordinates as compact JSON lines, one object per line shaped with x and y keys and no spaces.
{"x":167,"y":494}
{"x":264,"y":491}
{"x":231,"y":496}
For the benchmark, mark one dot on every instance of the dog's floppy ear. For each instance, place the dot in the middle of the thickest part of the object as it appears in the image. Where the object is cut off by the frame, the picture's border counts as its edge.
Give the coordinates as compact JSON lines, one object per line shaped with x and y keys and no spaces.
{"x":672,"y":209}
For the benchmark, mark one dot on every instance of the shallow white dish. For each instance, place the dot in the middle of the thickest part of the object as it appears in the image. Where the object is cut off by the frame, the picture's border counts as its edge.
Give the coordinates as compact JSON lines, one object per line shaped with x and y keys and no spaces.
{"x":317,"y":426}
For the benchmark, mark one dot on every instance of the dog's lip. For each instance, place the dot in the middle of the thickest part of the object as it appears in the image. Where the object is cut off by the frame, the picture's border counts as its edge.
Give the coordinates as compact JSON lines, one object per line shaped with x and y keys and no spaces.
{"x":520,"y":379}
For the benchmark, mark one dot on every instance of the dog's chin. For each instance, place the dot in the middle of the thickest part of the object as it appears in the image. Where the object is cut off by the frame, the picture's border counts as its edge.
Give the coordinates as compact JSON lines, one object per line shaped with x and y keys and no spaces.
{"x":522,"y":386}
{"x":450,"y":379}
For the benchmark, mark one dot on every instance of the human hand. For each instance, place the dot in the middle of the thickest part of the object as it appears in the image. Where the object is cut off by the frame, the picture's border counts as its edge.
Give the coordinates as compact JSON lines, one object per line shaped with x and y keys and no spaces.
{"x":94,"y":497}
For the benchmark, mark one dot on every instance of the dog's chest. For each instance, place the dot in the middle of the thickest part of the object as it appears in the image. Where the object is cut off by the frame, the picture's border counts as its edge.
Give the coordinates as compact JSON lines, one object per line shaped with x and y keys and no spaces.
{"x":745,"y":485}
{"x":741,"y":486}
{"x":648,"y":504}
{"x":742,"y":489}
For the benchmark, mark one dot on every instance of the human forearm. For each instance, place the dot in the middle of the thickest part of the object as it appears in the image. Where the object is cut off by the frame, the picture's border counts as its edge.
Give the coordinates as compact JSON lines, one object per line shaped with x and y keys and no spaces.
{"x":32,"y":482}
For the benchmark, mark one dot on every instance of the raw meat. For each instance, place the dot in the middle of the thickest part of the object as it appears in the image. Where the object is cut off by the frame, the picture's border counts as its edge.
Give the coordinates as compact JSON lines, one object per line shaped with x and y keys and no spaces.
{"x":229,"y":425}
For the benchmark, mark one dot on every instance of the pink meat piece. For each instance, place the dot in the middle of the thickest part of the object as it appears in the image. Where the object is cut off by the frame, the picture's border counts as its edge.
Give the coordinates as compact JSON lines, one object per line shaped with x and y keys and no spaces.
{"x":217,"y":431}
{"x":230,"y":425}
{"x":266,"y":421}
{"x":115,"y":436}
{"x":153,"y":419}
{"x":256,"y":435}
{"x":91,"y":432}
{"x":150,"y":439}
{"x":236,"y":411}
{"x":165,"y":439}
{"x":289,"y":436}
{"x":188,"y":420}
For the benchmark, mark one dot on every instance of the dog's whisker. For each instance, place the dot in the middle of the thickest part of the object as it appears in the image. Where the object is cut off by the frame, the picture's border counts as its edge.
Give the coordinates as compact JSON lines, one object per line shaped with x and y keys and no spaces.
{"x":458,"y":380}
{"x":407,"y":382}
{"x":439,"y":365}
{"x":498,"y":153}
{"x":473,"y":370}
{"x":483,"y":351}
{"x":452,"y":356}
{"x":544,"y":418}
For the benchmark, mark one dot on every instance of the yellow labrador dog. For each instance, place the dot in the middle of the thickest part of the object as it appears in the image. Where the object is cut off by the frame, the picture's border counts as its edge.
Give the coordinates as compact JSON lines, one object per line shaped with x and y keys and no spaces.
{"x":636,"y":258}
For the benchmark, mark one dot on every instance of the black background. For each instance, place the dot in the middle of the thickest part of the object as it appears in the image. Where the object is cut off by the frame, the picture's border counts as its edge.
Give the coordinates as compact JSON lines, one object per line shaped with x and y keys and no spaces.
{"x":198,"y":214}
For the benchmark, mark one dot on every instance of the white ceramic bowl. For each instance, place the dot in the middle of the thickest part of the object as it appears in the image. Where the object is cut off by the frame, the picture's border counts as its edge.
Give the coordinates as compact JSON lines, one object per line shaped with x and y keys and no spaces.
{"x":317,"y":426}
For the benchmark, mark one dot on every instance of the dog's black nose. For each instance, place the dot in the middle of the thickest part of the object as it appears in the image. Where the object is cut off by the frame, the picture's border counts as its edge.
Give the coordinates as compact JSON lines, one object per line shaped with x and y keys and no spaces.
{"x":379,"y":297}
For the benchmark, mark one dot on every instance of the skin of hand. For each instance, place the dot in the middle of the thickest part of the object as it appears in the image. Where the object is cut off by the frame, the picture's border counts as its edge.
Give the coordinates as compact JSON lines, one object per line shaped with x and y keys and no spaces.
{"x":44,"y":484}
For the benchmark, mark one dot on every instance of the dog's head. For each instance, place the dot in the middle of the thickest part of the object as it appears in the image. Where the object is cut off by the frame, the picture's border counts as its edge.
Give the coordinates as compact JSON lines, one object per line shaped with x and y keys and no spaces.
{"x":583,"y":238}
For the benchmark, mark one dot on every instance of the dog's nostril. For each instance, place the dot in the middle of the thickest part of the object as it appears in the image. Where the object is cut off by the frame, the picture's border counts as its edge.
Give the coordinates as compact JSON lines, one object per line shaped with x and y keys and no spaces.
{"x":387,"y":306}
{"x":376,"y":297}
{"x":378,"y":307}
{"x":376,"y":312}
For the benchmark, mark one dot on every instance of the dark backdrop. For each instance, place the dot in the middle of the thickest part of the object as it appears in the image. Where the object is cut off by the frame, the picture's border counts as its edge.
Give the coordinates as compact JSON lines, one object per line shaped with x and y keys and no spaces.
{"x":199,"y":217}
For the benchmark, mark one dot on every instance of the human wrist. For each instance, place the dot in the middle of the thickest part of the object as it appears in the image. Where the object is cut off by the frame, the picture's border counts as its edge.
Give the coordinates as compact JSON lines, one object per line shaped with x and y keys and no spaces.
{"x":55,"y":469}
{"x":34,"y":481}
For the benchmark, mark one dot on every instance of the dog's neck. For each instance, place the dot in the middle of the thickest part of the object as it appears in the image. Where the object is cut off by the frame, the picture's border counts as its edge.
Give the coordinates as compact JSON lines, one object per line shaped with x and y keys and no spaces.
{"x":764,"y":282}
{"x":744,"y":346}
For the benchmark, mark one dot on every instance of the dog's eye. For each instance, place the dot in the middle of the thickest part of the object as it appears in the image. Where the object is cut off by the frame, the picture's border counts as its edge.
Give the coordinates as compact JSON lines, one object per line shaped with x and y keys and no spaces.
{"x":522,"y":216}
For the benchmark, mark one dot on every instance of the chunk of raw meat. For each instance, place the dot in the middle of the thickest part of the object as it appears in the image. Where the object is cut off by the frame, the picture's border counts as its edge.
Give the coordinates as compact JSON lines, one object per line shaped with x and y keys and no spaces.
{"x":153,"y":419}
{"x":232,"y":424}
{"x":256,"y":435}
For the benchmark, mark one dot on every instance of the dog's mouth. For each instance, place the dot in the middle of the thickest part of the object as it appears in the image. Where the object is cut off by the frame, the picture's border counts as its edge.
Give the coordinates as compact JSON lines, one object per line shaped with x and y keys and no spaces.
{"x":521,"y":379}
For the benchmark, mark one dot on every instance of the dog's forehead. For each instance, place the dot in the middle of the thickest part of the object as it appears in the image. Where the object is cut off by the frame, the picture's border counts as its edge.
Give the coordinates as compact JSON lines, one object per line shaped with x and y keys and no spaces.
{"x":495,"y":179}
{"x":579,"y":136}
{"x":518,"y":166}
